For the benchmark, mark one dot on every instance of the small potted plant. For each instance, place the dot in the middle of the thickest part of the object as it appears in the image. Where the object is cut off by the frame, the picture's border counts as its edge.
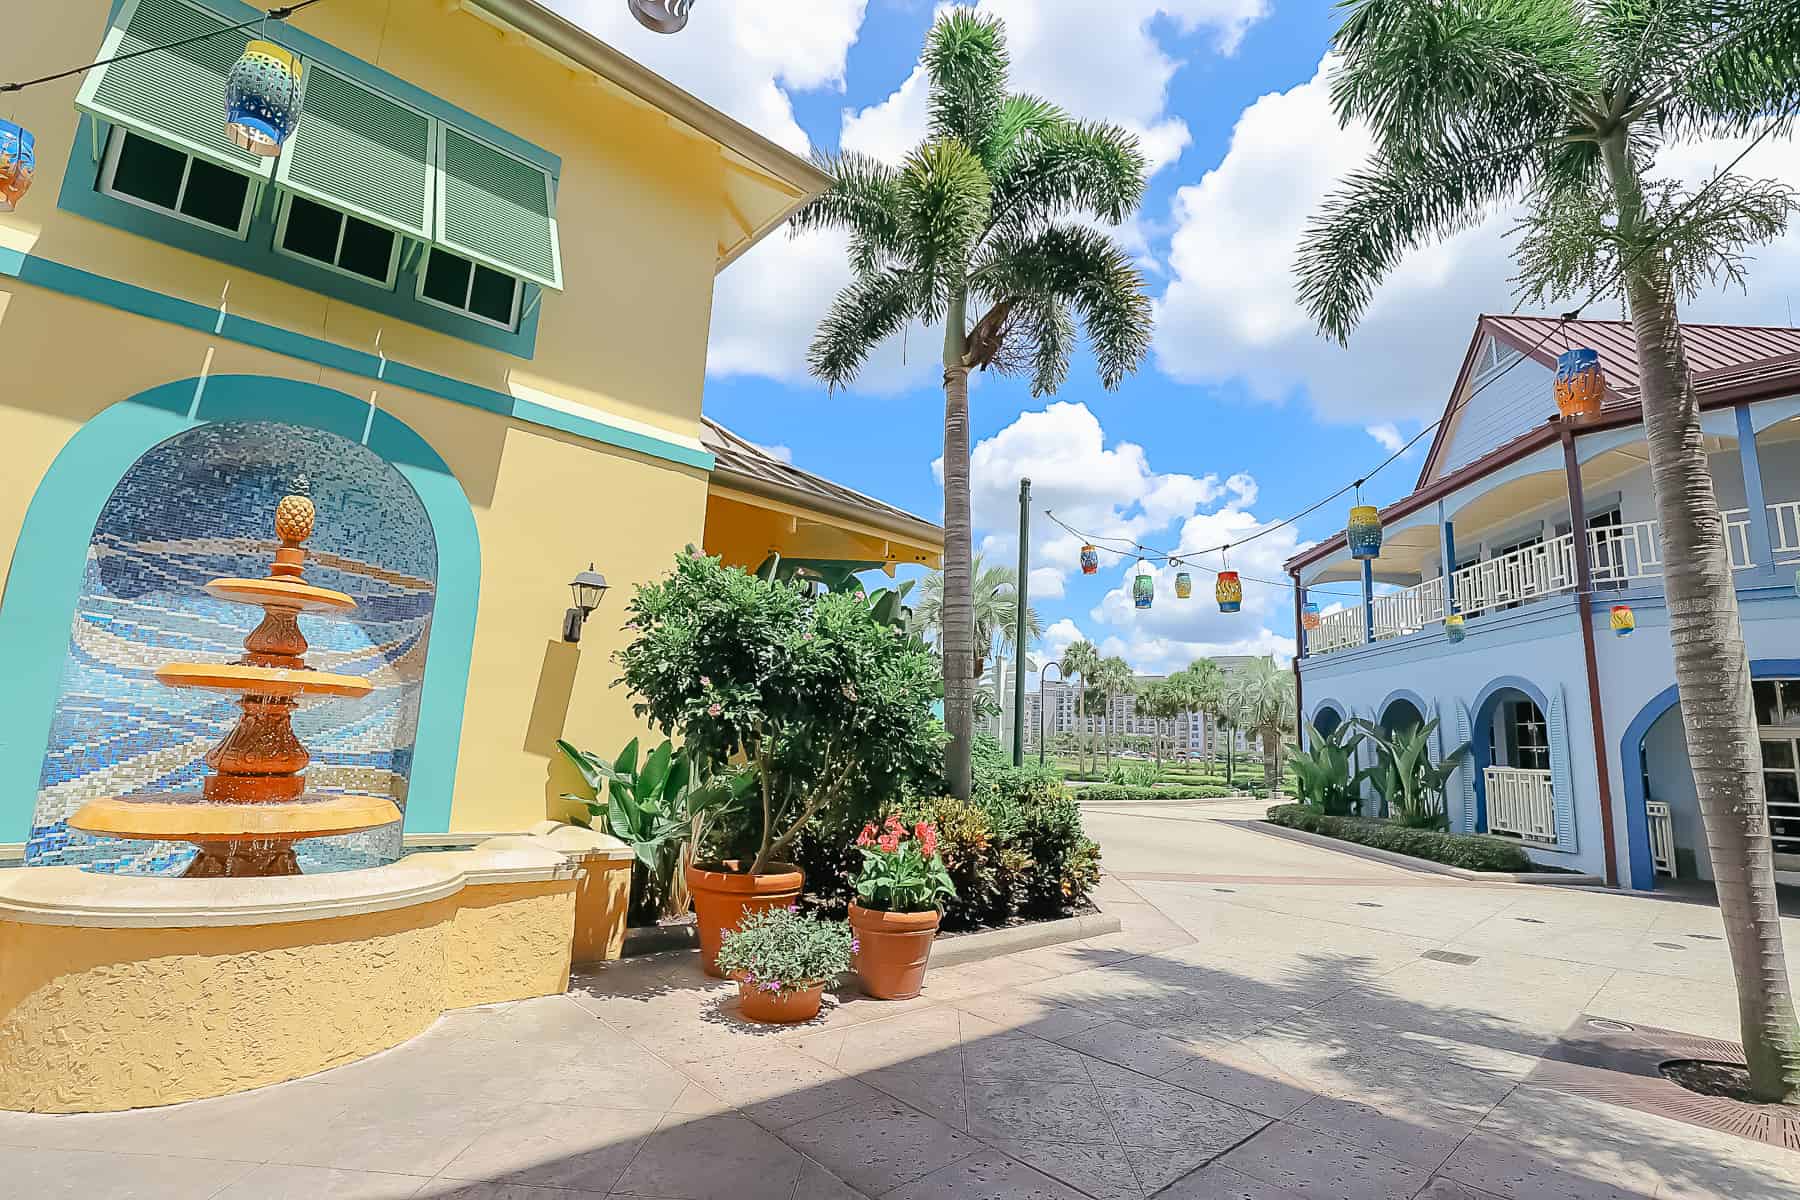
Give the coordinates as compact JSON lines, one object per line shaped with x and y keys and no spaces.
{"x":895,"y":913}
{"x":783,"y":962}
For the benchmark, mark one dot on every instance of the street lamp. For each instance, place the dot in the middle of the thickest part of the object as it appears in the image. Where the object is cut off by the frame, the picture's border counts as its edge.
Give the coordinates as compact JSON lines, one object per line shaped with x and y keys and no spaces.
{"x":661,"y":16}
{"x":587,"y":588}
{"x":1044,"y":702}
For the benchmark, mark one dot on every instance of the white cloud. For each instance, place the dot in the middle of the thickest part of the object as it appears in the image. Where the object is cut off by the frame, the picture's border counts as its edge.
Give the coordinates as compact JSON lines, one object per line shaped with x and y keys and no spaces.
{"x":1387,"y":434}
{"x":778,"y":452}
{"x":743,"y":59}
{"x":1231,"y":312}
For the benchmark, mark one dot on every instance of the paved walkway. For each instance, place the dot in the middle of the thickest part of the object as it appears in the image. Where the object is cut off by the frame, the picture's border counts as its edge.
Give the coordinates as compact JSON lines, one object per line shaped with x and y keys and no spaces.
{"x":1264,"y":1028}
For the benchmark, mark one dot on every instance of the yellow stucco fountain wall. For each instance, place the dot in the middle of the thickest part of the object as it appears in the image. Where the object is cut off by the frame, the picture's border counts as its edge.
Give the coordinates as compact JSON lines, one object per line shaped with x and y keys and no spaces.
{"x":121,"y":992}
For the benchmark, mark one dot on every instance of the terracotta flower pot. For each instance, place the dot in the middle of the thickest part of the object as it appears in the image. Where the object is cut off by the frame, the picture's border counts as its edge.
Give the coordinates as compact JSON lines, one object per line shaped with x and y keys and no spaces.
{"x":722,"y":899}
{"x":779,"y":1008}
{"x":892,"y":950}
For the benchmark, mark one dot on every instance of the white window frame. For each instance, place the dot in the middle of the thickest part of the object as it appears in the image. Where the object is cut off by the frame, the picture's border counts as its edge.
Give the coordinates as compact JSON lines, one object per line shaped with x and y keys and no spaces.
{"x":281,"y":223}
{"x":518,"y":290}
{"x":109,"y":167}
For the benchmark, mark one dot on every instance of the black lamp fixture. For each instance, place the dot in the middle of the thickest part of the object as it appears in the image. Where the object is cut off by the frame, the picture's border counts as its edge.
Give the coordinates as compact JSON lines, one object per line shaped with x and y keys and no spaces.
{"x":662,"y":16}
{"x":587,"y":588}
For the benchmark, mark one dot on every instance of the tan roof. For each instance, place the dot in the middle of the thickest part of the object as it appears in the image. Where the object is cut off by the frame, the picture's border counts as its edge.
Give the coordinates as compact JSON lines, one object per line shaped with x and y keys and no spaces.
{"x":743,"y":464}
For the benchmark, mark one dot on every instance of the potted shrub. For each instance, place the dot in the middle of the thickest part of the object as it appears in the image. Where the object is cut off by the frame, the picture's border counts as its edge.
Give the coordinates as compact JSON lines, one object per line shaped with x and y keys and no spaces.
{"x":783,"y":962}
{"x":895,"y":913}
{"x":824,"y":700}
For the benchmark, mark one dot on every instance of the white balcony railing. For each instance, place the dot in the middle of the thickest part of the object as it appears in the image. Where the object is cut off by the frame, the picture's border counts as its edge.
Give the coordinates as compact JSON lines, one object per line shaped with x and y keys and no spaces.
{"x":1520,"y":801}
{"x":1617,"y":554}
{"x":1662,"y":837}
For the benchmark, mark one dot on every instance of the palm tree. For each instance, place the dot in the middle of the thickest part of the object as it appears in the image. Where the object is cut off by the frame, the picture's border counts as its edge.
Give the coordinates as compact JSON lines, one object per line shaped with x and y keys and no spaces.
{"x":1263,"y":696}
{"x":1114,"y":678}
{"x":1565,"y":104}
{"x":991,"y":215}
{"x":1082,"y":661}
{"x":996,"y":612}
{"x":1206,"y":679}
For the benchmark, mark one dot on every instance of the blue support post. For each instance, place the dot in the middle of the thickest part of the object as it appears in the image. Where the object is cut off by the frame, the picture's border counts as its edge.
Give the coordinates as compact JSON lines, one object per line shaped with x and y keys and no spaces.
{"x":1300,"y":632}
{"x":1368,"y":567}
{"x":1761,"y":549}
{"x":1449,"y":544}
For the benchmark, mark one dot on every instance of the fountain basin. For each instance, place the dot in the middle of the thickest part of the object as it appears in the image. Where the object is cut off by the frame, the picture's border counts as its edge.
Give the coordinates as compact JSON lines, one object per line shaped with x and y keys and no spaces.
{"x":121,"y":991}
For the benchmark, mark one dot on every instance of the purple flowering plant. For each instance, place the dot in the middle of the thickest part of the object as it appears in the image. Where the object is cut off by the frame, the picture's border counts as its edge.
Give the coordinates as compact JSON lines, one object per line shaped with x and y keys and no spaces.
{"x":781,"y":950}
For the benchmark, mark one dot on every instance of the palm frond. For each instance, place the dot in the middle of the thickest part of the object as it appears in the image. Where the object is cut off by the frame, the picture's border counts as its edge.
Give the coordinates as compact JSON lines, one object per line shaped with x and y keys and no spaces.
{"x":1082,"y":267}
{"x":1461,"y":76}
{"x":944,"y":203}
{"x":1744,"y":74}
{"x":1020,"y":117}
{"x":965,"y":63}
{"x":874,"y":306}
{"x":864,"y":199}
{"x":1389,"y":207}
{"x":1036,"y":342}
{"x":1087,"y":166}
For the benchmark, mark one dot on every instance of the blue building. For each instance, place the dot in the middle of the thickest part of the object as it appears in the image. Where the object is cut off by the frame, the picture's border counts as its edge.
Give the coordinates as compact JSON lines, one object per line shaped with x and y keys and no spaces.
{"x":1534,"y":528}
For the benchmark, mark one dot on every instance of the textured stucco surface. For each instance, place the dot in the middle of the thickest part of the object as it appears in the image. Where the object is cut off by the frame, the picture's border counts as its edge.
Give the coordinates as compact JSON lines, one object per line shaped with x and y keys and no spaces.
{"x":602,"y":894}
{"x":96,"y":1019}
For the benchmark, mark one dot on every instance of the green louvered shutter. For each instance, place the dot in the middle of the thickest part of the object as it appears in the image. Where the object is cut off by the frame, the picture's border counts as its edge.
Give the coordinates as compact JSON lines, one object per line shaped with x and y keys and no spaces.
{"x":176,"y":96}
{"x":359,"y":151}
{"x":497,"y":209}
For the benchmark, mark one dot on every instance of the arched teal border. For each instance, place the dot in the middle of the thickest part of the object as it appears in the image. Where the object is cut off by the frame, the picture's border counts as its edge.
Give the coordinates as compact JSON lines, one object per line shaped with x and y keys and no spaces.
{"x":44,"y":583}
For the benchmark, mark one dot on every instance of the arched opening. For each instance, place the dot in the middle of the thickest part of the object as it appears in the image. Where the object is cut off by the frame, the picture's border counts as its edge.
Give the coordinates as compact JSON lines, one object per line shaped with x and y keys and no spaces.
{"x":1327,"y":720}
{"x":198,"y":506}
{"x":1513,"y":793}
{"x":1401,"y":715}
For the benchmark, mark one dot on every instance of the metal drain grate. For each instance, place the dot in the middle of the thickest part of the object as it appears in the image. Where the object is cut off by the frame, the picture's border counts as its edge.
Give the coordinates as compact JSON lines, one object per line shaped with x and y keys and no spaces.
{"x":1668,"y":945}
{"x":1368,"y":904}
{"x":1451,"y":957}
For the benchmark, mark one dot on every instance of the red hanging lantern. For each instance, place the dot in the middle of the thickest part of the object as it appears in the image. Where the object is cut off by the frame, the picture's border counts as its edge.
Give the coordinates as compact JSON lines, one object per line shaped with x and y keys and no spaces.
{"x":1090,"y":560}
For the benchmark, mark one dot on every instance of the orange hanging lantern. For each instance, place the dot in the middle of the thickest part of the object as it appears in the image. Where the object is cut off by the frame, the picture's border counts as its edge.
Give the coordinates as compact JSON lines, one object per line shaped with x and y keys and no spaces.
{"x":1310,"y":618}
{"x":1229,"y":592}
{"x":1580,"y":387}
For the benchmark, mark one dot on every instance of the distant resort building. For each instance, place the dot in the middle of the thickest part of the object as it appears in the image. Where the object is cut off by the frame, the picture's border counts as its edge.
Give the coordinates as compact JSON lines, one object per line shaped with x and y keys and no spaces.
{"x":1534,"y":528}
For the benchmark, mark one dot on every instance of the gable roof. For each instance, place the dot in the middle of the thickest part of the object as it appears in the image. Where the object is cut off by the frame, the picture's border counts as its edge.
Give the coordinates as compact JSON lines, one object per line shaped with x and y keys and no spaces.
{"x":742,"y":463}
{"x":1730,"y":364}
{"x":1713,"y":353}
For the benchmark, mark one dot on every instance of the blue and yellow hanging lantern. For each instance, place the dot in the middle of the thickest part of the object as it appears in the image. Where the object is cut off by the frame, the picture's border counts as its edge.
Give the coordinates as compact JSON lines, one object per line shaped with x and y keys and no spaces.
{"x":1310,"y":618}
{"x":1623,"y":620}
{"x":1363,"y":530}
{"x":1184,"y":585}
{"x":1454,"y":628}
{"x":1143,"y":588}
{"x":1579,"y":385}
{"x":1230,"y":592}
{"x":262,"y":98}
{"x":1090,"y":560}
{"x":18,"y":162}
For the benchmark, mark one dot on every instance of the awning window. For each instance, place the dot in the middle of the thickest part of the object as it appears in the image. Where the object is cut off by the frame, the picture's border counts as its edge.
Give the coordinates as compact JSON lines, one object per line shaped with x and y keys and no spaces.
{"x":497,"y":209}
{"x":358,"y":150}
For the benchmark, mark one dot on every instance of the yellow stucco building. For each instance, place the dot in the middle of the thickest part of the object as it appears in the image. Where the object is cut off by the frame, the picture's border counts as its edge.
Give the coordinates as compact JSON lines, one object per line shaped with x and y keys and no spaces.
{"x":466,"y":307}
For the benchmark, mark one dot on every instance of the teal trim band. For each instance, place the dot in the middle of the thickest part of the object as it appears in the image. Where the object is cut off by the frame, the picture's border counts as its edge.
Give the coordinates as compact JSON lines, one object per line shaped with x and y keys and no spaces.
{"x":44,"y":584}
{"x":128,"y":297}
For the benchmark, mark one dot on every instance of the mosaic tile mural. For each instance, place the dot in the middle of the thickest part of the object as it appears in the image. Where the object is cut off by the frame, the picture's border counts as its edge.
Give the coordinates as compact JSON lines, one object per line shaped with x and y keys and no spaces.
{"x":197,"y":507}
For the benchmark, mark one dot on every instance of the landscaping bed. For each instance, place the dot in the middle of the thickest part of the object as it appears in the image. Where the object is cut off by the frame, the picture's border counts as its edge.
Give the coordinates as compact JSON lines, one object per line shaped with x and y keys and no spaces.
{"x":1124,"y":793}
{"x":1470,"y":851}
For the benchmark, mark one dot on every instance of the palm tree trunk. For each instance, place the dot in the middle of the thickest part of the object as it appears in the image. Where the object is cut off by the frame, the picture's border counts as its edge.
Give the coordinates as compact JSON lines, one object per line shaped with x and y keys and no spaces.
{"x":1271,"y":760}
{"x":1712,"y":673}
{"x":959,"y":599}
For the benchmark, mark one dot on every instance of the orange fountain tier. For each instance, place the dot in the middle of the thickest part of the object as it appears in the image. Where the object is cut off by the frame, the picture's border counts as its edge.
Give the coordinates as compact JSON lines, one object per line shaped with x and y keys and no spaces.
{"x":254,"y":806}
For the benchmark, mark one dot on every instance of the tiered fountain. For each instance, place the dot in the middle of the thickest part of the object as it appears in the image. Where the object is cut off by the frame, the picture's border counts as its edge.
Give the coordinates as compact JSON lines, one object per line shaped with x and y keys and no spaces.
{"x":254,"y":806}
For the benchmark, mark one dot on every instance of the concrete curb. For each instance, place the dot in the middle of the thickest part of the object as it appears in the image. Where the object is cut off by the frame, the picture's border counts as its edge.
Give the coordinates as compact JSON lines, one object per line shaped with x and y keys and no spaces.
{"x":993,"y":943}
{"x":1392,"y":858}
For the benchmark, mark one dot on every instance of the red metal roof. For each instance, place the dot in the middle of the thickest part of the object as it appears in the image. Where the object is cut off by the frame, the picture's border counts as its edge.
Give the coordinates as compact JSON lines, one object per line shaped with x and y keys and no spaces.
{"x":1710,"y":348}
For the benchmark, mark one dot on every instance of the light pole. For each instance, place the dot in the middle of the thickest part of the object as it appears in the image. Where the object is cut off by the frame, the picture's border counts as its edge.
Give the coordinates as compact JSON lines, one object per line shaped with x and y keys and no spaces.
{"x":1043,"y":703}
{"x":1021,"y":594}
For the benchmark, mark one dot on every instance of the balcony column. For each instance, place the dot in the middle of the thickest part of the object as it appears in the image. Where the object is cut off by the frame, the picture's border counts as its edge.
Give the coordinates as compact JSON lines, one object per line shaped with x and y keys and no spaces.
{"x":1584,"y":608}
{"x":1447,"y":544}
{"x":1368,"y":566}
{"x":1762,"y":551}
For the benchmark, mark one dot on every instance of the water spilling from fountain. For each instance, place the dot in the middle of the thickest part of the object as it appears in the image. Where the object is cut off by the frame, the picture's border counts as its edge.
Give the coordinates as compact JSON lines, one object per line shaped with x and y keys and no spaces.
{"x":253,"y":806}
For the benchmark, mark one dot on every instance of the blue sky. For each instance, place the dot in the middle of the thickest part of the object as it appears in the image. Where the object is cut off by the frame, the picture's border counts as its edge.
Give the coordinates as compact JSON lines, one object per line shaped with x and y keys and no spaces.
{"x":1241,"y":415}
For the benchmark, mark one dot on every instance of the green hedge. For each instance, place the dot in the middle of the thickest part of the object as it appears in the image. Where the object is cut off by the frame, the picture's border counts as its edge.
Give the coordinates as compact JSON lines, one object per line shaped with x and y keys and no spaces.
{"x":1115,"y":793}
{"x":1474,"y":852}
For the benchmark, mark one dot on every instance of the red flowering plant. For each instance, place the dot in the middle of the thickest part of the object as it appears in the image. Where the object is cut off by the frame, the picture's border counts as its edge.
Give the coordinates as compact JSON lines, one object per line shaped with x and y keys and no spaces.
{"x":901,"y":870}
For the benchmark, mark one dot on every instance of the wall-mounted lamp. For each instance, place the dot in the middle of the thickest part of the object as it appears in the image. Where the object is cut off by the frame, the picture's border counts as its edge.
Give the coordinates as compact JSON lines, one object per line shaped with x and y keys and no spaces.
{"x":663,"y":16}
{"x":587,"y":588}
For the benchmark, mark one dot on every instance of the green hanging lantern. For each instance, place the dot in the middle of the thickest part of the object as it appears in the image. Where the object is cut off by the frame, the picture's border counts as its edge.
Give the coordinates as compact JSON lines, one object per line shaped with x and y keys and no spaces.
{"x":1143,"y":588}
